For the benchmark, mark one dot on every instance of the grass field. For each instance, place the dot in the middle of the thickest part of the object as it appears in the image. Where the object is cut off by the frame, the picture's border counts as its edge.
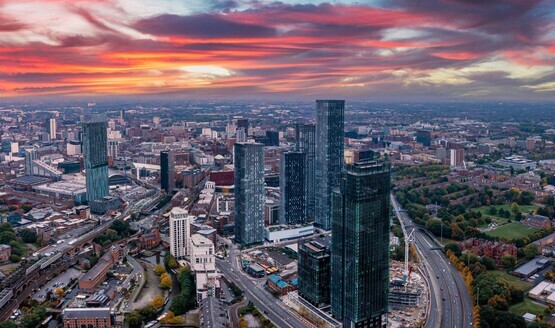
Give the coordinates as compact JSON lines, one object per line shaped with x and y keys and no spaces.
{"x":511,"y":280}
{"x":527,"y":306}
{"x":485,"y":210}
{"x":513,"y":230}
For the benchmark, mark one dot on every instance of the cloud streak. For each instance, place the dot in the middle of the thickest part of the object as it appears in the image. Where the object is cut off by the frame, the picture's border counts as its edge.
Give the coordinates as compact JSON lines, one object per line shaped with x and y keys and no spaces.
{"x":437,"y":49}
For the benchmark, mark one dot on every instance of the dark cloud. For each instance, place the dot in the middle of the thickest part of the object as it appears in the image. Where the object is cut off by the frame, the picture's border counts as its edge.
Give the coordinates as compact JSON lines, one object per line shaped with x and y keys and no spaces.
{"x":201,"y":26}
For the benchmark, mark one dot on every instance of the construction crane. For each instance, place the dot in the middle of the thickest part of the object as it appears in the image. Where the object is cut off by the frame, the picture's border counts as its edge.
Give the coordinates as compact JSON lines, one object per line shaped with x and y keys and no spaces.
{"x":408,"y":240}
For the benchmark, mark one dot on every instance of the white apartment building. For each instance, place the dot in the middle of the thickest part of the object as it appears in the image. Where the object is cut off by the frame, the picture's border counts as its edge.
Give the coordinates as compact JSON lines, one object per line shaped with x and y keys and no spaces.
{"x":180,"y":231}
{"x":203,"y":264}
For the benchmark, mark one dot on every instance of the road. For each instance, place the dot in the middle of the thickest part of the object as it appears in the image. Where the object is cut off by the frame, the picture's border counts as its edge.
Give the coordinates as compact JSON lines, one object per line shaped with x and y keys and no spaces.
{"x":451,"y":304}
{"x":272,"y":307}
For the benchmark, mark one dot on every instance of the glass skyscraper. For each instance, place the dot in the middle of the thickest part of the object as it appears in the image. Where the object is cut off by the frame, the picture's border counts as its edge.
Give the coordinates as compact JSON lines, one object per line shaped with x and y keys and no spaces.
{"x":306,"y":143}
{"x":360,"y":245}
{"x":314,"y":271}
{"x":249,"y":193}
{"x":329,"y":156}
{"x":167,"y":174}
{"x":95,"y":157}
{"x":292,"y":204}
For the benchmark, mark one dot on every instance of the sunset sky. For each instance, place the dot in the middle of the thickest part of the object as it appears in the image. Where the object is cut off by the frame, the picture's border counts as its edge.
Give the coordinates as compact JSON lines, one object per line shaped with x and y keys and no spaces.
{"x":384,"y":50}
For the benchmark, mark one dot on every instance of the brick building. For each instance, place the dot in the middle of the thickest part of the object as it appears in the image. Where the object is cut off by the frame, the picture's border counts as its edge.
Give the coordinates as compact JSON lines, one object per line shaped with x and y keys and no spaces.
{"x":5,"y":253}
{"x":88,"y":318}
{"x":492,"y":249}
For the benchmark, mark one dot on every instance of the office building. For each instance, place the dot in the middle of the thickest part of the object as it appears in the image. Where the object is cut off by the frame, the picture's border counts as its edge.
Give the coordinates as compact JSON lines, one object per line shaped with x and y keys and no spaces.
{"x":74,"y":147}
{"x":167,"y":170}
{"x":329,"y":156}
{"x":180,"y":232}
{"x":30,"y":156}
{"x":314,"y":271}
{"x":113,"y":147}
{"x":306,"y":143}
{"x":424,"y":137}
{"x":292,"y":204}
{"x":249,"y":193}
{"x":456,"y":157}
{"x":51,"y":128}
{"x":203,"y":264}
{"x":360,"y":245}
{"x":95,"y":157}
{"x":273,"y":138}
{"x":243,"y":123}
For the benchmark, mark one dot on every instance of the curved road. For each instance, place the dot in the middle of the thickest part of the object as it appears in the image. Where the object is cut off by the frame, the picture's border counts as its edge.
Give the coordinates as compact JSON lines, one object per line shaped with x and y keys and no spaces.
{"x":451,"y":304}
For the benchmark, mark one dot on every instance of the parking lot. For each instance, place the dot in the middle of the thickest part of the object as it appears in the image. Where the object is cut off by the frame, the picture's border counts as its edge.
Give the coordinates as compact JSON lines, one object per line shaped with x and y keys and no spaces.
{"x":60,"y":281}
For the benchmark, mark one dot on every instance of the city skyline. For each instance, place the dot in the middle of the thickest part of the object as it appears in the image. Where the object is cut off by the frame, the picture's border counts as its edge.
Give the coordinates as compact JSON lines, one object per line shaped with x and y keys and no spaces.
{"x":454,"y":50}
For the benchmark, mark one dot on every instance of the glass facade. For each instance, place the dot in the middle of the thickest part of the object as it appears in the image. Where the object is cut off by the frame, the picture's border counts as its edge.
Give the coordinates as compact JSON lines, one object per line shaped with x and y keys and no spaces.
{"x":329,"y":156}
{"x":306,"y":143}
{"x":249,"y":193}
{"x":360,"y":245}
{"x":167,"y":174}
{"x":292,"y":204}
{"x":314,"y":271}
{"x":95,"y":156}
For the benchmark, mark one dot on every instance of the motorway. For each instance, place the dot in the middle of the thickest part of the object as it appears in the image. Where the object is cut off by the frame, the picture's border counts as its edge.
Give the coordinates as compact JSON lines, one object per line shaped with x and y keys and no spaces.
{"x":451,"y":304}
{"x":272,"y":307}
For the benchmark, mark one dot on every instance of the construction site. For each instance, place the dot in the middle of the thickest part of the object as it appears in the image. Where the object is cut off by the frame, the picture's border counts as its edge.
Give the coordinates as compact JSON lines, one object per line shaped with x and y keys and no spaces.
{"x":408,"y":293}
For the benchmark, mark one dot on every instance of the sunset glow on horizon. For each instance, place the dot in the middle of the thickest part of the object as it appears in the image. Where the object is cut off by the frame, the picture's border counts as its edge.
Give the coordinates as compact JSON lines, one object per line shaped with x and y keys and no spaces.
{"x":437,"y":49}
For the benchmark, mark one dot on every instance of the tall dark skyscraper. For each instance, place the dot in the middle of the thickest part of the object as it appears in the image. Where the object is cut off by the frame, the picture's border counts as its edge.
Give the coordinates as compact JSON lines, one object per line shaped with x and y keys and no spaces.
{"x":292,"y":204}
{"x":167,"y":171}
{"x":329,"y":155}
{"x":360,"y":245}
{"x":273,"y":138}
{"x":95,"y":156}
{"x":424,"y":137}
{"x":249,"y":193}
{"x":314,"y":271}
{"x":244,"y":124}
{"x":306,"y":143}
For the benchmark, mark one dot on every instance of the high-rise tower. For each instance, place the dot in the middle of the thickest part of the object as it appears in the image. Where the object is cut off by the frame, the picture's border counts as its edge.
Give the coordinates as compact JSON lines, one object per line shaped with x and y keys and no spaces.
{"x":167,"y":170}
{"x":95,"y":156}
{"x":306,"y":143}
{"x":249,"y":193}
{"x":292,"y":204}
{"x":360,"y":245}
{"x":329,"y":155}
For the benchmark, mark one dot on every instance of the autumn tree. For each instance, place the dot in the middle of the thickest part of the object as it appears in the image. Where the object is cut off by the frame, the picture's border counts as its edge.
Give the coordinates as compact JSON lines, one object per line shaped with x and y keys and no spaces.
{"x":159,"y":269}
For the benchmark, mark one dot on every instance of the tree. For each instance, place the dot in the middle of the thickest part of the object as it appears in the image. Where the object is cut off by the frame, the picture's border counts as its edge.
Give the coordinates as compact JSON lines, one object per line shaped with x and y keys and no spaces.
{"x":492,"y":210}
{"x":134,"y":319}
{"x":59,"y":291}
{"x":498,"y":303}
{"x":170,"y":261}
{"x":531,"y":251}
{"x":148,"y":313}
{"x":8,"y":324}
{"x":454,"y":247}
{"x":28,"y":236}
{"x":157,"y":302}
{"x":515,"y":208}
{"x":488,"y":263}
{"x":166,"y":282}
{"x":508,"y":261}
{"x":159,"y":269}
{"x":179,"y":304}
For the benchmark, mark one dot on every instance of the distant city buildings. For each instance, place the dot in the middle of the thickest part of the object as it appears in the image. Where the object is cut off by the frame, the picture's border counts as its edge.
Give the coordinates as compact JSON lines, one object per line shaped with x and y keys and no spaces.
{"x":360,"y":245}
{"x":329,"y":156}
{"x":95,"y":156}
{"x":292,"y":188}
{"x":424,"y":137}
{"x":249,"y":193}
{"x":51,"y":128}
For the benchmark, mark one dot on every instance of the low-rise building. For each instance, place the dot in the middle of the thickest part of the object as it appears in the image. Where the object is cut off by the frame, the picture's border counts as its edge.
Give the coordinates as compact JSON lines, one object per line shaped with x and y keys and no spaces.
{"x":5,"y":253}
{"x":88,"y":318}
{"x":537,"y":221}
{"x":492,"y":249}
{"x":531,"y":267}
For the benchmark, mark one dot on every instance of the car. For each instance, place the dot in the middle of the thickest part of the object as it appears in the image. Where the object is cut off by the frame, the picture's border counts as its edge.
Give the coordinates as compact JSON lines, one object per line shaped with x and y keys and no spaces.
{"x":437,"y":277}
{"x":443,"y":298}
{"x":265,"y":312}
